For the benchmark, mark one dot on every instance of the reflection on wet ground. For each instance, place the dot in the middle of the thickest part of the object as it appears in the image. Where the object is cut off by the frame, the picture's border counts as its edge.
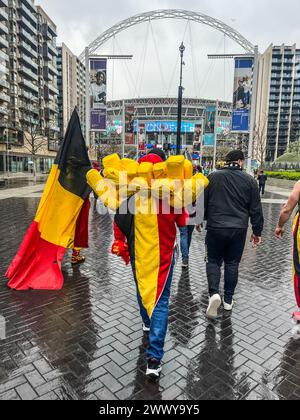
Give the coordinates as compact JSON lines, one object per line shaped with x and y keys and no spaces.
{"x":85,"y":342}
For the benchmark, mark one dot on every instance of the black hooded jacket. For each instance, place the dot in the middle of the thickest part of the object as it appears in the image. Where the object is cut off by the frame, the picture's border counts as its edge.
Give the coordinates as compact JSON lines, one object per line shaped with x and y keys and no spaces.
{"x":231,"y":199}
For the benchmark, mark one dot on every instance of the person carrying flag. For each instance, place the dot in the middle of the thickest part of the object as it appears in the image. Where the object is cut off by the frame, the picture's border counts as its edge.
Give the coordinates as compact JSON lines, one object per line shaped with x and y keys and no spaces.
{"x":145,"y":230}
{"x":61,"y":221}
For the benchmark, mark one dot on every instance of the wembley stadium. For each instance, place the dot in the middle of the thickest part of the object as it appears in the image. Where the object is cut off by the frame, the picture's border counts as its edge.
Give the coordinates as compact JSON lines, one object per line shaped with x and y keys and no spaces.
{"x":155,"y":122}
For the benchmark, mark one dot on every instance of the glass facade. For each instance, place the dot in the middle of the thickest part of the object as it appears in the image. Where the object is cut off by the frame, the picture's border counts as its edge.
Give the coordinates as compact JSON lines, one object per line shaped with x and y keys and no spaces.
{"x":284,"y":101}
{"x":15,"y":164}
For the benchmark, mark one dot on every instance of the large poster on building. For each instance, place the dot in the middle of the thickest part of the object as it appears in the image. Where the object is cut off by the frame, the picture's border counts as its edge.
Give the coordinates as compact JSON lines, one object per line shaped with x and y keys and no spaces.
{"x":142,"y":136}
{"x":98,"y":91}
{"x":209,"y":130}
{"x":129,"y":125}
{"x":242,"y":95}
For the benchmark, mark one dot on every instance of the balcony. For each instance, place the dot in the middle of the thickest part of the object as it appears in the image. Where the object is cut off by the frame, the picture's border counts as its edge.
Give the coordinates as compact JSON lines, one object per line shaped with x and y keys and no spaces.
{"x":29,"y":85}
{"x":4,"y":97}
{"x":53,"y":127}
{"x":28,"y":96}
{"x":53,"y":89}
{"x":3,"y":42}
{"x":25,"y":23}
{"x":24,"y":70}
{"x":52,"y":49}
{"x":28,"y":12}
{"x":4,"y":83}
{"x":27,"y":49}
{"x":29,"y":119}
{"x":3,"y":14}
{"x":28,"y":38}
{"x":52,"y":69}
{"x":32,"y":64}
{"x":3,"y":29}
{"x":4,"y":56}
{"x":3,"y":110}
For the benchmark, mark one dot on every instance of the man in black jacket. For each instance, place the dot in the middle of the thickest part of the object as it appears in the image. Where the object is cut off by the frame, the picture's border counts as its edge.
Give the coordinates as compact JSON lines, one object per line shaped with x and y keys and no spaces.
{"x":231,"y":199}
{"x":262,"y":180}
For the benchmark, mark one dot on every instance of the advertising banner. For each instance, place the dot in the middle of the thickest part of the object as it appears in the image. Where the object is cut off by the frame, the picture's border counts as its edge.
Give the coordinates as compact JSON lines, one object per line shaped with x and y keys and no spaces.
{"x":242,"y":95}
{"x":98,"y":91}
{"x":142,"y":137}
{"x":129,"y":125}
{"x":198,"y":137}
{"x":209,"y":131}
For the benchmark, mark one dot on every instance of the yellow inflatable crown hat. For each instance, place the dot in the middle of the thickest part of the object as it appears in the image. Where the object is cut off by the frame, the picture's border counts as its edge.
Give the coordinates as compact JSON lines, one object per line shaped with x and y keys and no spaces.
{"x":172,"y":180}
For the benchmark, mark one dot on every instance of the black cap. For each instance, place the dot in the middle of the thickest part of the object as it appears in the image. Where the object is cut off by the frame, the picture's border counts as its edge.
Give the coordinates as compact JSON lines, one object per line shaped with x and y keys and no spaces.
{"x":235,"y":155}
{"x":159,"y":153}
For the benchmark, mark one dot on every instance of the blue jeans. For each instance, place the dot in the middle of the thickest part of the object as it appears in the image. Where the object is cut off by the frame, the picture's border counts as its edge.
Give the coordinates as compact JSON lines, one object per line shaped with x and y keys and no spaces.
{"x":186,"y":234}
{"x":159,"y":322}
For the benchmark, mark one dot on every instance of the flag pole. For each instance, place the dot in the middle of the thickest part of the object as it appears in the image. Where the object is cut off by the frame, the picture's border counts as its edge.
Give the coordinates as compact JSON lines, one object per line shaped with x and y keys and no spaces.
{"x":124,"y":129}
{"x":87,"y":98}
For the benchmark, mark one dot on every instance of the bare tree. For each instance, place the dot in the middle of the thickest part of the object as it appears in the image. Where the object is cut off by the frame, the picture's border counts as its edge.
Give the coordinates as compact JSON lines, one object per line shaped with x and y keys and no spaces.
{"x":34,"y":133}
{"x":108,"y":147}
{"x":260,"y":140}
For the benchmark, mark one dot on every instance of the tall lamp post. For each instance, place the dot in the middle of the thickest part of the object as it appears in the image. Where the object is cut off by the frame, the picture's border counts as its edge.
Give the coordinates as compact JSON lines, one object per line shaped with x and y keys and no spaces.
{"x":180,"y":96}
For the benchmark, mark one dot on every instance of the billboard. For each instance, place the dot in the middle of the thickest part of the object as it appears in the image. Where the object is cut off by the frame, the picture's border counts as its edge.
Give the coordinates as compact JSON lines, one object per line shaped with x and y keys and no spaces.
{"x":98,"y":91}
{"x":242,"y":95}
{"x":129,"y":125}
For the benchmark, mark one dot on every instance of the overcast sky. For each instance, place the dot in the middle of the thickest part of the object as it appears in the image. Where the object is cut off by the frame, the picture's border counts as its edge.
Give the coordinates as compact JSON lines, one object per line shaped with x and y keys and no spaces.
{"x":154,"y":69}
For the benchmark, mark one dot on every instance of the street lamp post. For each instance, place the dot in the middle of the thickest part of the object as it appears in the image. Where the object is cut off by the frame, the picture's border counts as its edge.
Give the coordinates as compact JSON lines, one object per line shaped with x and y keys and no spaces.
{"x":180,"y":96}
{"x":7,"y":152}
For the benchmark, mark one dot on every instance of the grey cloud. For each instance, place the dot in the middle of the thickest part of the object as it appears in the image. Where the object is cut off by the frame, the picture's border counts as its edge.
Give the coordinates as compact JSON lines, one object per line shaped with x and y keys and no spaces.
{"x":261,"y":21}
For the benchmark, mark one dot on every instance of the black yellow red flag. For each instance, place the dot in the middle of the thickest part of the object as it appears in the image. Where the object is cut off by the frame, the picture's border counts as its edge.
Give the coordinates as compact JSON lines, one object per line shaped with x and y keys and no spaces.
{"x":61,"y":220}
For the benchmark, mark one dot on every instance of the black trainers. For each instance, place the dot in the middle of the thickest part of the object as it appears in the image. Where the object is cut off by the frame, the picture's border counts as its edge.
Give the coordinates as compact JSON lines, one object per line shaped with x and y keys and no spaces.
{"x":153,"y":369}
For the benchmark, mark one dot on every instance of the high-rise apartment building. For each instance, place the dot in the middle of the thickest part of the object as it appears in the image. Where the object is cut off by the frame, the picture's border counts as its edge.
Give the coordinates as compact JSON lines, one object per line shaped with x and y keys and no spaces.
{"x":278,"y":102}
{"x":30,"y":79}
{"x":48,"y":95}
{"x":71,"y":85}
{"x":4,"y":64}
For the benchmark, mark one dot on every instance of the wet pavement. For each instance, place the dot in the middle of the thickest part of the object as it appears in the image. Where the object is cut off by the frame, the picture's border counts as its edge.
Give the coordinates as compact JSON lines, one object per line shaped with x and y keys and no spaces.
{"x":85,"y":342}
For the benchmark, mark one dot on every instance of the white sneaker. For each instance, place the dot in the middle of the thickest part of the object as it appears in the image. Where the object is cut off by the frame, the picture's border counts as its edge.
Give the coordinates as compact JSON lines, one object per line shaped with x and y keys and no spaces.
{"x":228,"y":307}
{"x":153,"y":369}
{"x":214,"y":304}
{"x":146,"y":329}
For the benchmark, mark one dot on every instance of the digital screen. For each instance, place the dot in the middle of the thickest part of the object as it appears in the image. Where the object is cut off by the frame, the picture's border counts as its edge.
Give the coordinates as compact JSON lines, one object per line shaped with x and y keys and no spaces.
{"x":168,"y":127}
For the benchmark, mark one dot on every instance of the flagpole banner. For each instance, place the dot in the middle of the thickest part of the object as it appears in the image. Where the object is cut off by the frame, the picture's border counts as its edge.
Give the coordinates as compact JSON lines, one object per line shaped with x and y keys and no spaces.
{"x":129,"y":125}
{"x":209,"y":131}
{"x":242,"y":95}
{"x":142,"y":137}
{"x":198,"y":137}
{"x":98,"y":94}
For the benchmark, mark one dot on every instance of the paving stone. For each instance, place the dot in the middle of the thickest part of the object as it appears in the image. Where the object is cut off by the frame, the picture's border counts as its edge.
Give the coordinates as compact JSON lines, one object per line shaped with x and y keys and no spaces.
{"x":85,"y":342}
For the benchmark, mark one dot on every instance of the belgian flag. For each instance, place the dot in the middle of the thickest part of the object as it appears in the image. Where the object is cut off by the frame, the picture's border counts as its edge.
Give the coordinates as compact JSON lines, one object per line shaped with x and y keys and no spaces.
{"x":61,"y":221}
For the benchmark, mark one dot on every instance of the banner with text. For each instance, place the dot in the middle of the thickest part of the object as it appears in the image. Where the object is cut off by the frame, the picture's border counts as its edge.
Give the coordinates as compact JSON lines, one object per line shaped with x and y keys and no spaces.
{"x":242,"y":95}
{"x":98,"y":91}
